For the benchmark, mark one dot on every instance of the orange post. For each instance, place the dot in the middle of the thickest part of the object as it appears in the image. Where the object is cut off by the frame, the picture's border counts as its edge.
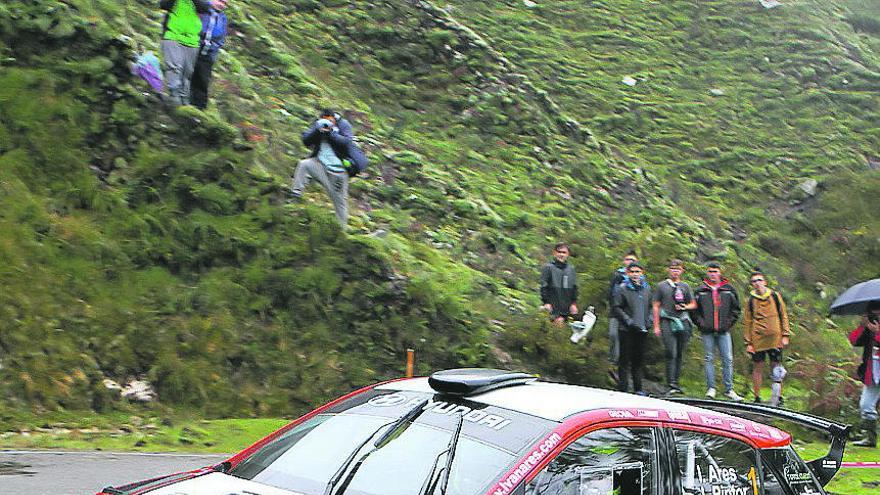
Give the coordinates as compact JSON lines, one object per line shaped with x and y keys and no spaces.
{"x":410,"y":359}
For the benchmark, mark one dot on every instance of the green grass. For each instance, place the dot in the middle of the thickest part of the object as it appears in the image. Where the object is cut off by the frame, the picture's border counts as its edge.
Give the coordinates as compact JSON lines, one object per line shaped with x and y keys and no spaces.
{"x":847,"y":481}
{"x":122,"y":433}
{"x":137,"y":242}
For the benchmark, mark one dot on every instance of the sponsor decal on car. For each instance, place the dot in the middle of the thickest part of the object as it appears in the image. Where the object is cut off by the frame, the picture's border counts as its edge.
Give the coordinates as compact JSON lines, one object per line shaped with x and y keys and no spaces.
{"x":678,"y":416}
{"x":620,"y":414}
{"x":710,"y":421}
{"x":508,"y":483}
{"x":482,"y":418}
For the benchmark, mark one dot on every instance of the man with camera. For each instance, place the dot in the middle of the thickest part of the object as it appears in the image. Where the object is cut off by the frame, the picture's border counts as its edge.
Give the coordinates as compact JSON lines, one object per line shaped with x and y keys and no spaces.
{"x":671,"y":302}
{"x":867,"y":336}
{"x":334,"y":158}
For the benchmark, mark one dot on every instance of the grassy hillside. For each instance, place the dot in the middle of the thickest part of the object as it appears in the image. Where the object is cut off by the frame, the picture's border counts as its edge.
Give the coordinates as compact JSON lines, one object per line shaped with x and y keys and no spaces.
{"x":141,"y":242}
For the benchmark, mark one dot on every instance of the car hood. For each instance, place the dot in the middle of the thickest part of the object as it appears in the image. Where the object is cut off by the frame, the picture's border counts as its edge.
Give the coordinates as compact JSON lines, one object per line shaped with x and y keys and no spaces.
{"x":219,"y":484}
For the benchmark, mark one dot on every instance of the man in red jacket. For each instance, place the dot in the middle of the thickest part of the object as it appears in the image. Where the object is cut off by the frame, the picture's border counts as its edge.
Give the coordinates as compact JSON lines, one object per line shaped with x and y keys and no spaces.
{"x":717,"y":310}
{"x":867,"y":336}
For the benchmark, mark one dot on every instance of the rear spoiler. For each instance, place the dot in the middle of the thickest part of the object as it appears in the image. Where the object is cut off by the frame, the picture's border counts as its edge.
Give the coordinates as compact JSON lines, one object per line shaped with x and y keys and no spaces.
{"x":825,"y":467}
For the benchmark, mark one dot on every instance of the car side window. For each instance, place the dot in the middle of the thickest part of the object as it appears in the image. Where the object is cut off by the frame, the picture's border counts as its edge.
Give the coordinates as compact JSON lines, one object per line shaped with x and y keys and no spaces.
{"x":618,"y":461}
{"x":715,"y":464}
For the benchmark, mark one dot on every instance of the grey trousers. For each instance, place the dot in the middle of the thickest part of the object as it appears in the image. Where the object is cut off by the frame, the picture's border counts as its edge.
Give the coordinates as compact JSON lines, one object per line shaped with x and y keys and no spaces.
{"x":336,"y":185}
{"x":178,"y":64}
{"x":675,"y":344}
{"x":613,"y":340}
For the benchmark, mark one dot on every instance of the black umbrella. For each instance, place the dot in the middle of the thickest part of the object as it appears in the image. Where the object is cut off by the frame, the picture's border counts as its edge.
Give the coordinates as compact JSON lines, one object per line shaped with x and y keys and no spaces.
{"x":854,"y":301}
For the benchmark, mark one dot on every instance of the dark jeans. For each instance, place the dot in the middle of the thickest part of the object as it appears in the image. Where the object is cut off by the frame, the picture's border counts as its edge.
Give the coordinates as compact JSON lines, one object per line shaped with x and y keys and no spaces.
{"x":632,"y":350}
{"x":201,"y":79}
{"x":675,"y":344}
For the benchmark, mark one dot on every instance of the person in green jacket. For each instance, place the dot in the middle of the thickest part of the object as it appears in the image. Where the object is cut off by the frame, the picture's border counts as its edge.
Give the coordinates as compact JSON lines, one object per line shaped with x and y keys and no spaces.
{"x":180,"y":44}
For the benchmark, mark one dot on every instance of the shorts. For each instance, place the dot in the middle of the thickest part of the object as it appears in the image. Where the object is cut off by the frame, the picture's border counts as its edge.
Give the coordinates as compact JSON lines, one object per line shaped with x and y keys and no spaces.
{"x":775,"y":356}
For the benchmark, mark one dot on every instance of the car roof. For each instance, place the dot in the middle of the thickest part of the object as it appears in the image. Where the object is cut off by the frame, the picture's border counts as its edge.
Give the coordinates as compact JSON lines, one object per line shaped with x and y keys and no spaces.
{"x":553,"y":401}
{"x":560,"y":402}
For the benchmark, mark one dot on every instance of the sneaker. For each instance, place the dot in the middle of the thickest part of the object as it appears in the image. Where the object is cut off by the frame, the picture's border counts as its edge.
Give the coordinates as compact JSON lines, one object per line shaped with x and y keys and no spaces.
{"x":674,"y":391}
{"x":730,"y":394}
{"x":710,"y":393}
{"x":756,"y":400}
{"x":293,"y":196}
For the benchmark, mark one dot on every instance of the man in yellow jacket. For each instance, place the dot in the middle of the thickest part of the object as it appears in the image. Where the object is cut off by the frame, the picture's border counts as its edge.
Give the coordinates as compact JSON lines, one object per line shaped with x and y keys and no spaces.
{"x":767,"y":333}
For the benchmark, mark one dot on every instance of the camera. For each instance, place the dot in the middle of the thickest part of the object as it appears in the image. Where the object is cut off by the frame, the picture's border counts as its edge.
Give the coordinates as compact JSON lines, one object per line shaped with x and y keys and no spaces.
{"x":324,"y":124}
{"x":874,"y":318}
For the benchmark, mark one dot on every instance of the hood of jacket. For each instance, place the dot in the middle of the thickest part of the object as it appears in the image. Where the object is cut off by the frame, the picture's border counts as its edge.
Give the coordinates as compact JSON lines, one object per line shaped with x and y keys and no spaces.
{"x":643,"y":284}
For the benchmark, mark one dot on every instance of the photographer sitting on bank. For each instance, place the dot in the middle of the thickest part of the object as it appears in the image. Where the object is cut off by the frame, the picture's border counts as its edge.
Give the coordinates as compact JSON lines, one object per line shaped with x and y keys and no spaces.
{"x":334,"y":158}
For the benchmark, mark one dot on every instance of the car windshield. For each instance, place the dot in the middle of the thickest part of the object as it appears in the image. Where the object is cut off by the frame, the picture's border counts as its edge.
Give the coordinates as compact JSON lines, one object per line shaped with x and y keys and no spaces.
{"x":793,"y":471}
{"x":305,"y":459}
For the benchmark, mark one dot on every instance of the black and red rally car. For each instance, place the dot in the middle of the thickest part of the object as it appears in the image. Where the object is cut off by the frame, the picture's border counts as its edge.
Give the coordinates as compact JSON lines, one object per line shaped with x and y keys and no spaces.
{"x":492,"y":432}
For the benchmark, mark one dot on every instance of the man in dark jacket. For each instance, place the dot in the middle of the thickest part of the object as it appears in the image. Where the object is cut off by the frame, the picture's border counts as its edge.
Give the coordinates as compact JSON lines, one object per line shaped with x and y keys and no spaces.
{"x":867,"y":336}
{"x":632,"y":307}
{"x":334,"y":158}
{"x":717,"y":310}
{"x":559,"y":288}
{"x":617,"y":278}
{"x":180,"y":44}
{"x":213,"y":36}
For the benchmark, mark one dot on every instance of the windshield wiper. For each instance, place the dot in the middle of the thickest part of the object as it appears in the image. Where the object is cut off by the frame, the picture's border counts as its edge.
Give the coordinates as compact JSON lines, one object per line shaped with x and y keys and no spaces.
{"x":395,"y":425}
{"x":429,"y":485}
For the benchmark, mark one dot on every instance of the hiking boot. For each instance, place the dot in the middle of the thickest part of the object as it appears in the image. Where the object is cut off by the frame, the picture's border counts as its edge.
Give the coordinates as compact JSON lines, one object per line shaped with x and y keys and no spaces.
{"x":674,"y":390}
{"x":757,"y":400}
{"x":730,"y":394}
{"x":869,"y":426}
{"x":710,"y":393}
{"x":294,"y":198}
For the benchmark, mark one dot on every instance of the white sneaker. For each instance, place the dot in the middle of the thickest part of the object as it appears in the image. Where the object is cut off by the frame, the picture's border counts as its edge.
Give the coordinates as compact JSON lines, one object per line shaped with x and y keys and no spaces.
{"x":733,"y":396}
{"x":710,"y":393}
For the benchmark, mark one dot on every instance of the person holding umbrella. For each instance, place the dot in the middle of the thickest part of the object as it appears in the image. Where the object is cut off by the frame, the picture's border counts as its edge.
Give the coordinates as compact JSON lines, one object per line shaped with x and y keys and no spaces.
{"x":864,"y":299}
{"x":867,"y":336}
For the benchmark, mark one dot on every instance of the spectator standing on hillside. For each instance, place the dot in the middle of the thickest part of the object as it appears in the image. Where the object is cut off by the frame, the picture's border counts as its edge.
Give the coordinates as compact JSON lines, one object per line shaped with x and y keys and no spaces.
{"x":180,"y":44}
{"x":212,"y":38}
{"x":867,"y":336}
{"x":334,"y":159}
{"x":617,"y":278}
{"x":767,"y":333}
{"x":671,"y":302}
{"x":632,"y":307}
{"x":717,"y":310}
{"x":559,"y":289}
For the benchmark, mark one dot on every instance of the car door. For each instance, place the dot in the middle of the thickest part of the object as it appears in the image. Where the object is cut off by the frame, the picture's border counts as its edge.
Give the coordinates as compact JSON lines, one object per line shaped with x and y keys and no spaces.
{"x":611,"y":461}
{"x":710,"y":464}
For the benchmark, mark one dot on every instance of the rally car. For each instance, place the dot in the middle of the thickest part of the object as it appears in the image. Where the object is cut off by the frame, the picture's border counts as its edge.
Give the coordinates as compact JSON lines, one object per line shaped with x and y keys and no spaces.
{"x":493,"y":432}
